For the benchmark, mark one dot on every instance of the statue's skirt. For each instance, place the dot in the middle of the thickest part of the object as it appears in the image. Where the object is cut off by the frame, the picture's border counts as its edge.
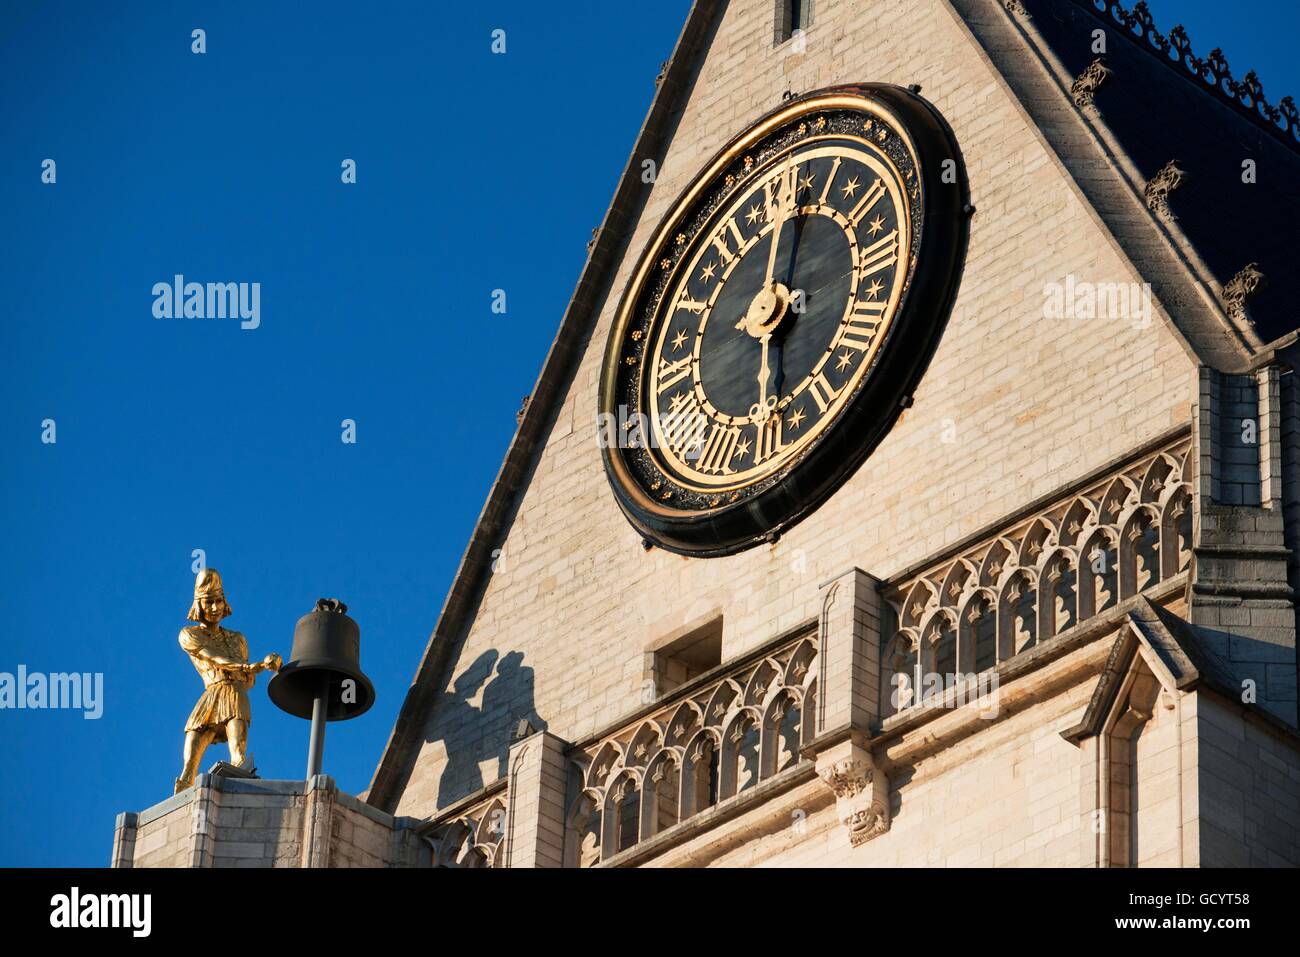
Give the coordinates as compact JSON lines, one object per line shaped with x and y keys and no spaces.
{"x":222,"y":701}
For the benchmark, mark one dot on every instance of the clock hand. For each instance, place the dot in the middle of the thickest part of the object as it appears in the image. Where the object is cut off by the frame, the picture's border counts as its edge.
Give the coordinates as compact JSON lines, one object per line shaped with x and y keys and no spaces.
{"x":759,"y":411}
{"x":785,"y":205}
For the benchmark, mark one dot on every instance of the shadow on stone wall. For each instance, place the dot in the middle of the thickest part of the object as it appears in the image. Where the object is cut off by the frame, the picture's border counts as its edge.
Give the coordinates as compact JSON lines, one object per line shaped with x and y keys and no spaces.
{"x":473,"y":734}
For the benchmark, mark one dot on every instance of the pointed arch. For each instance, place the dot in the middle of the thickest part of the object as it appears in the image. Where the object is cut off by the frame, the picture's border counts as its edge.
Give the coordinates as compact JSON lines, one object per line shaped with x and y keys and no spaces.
{"x":780,"y":737}
{"x":1037,"y":543}
{"x":661,"y":796}
{"x":1098,"y":586}
{"x":917,"y":604}
{"x":977,"y":633}
{"x":622,"y":813}
{"x":1078,"y":519}
{"x":1017,"y":614}
{"x":741,"y":741}
{"x":700,"y":773}
{"x":1058,"y":607}
{"x":1139,"y":551}
{"x":1176,"y":532}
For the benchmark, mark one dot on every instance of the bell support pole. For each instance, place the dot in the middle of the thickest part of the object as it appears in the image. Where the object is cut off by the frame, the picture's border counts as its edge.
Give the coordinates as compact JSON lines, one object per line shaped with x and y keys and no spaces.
{"x":316,"y":750}
{"x":323,"y":680}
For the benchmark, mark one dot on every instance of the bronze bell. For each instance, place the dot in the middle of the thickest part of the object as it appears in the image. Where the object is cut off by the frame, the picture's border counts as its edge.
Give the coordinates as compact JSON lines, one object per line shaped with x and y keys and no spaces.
{"x":326,"y":654}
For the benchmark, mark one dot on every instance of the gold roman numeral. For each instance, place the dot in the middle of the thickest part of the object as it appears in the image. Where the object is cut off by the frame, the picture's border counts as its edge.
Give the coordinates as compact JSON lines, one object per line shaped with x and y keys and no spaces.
{"x":829,"y":181}
{"x":869,"y":199}
{"x":860,"y":327}
{"x":879,"y":255}
{"x":689,"y":304}
{"x":715,"y":457}
{"x":725,"y":254}
{"x":671,"y":373}
{"x":822,"y":393}
{"x":768,"y":441}
{"x":684,"y":424}
{"x":781,"y":189}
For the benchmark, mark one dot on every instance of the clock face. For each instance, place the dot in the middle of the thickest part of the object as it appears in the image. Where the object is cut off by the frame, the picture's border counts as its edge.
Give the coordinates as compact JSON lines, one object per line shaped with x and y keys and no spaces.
{"x":736,"y":391}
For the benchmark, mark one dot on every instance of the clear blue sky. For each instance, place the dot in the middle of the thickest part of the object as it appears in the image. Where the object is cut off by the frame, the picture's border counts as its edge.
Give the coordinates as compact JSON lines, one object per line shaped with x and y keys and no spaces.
{"x":475,"y":172}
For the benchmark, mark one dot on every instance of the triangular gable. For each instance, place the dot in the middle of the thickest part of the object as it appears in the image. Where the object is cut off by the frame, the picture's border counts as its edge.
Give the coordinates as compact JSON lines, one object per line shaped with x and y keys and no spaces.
{"x":1198,"y":321}
{"x":1155,"y":641}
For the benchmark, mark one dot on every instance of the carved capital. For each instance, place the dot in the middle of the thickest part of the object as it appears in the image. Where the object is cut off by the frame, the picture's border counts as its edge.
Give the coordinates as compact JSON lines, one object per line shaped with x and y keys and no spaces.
{"x":1086,"y":84}
{"x":861,"y":790}
{"x":846,"y":778}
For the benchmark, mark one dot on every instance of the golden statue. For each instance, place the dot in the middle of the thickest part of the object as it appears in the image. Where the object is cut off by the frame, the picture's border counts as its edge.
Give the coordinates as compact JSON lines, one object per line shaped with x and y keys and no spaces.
{"x":221,"y":659}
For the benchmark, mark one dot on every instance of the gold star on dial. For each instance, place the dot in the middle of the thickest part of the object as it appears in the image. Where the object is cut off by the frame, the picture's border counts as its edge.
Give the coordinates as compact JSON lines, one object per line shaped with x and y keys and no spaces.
{"x":742,"y":449}
{"x":850,"y":187}
{"x":679,"y":339}
{"x":707,"y":273}
{"x":874,"y":289}
{"x":807,"y":182}
{"x":844,"y":362}
{"x":754,"y":214}
{"x":877,"y":225}
{"x":795,"y":420}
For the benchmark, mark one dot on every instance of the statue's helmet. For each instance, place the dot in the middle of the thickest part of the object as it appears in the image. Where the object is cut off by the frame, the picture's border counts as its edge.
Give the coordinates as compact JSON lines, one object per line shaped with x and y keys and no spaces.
{"x":208,"y":585}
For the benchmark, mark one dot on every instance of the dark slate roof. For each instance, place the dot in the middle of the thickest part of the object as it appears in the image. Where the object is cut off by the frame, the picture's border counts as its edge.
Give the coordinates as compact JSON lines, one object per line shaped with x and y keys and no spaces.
{"x":1163,"y":106}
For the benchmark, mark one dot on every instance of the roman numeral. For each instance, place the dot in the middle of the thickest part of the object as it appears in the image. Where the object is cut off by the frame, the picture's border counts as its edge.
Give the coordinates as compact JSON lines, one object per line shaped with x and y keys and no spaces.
{"x":860,"y":327}
{"x":768,"y":441}
{"x":686,"y":302}
{"x":781,"y":188}
{"x":715,"y":457}
{"x":671,"y":373}
{"x":684,"y":424}
{"x":821,"y":391}
{"x":879,"y":255}
{"x":829,"y":180}
{"x":869,"y":199}
{"x":725,"y":255}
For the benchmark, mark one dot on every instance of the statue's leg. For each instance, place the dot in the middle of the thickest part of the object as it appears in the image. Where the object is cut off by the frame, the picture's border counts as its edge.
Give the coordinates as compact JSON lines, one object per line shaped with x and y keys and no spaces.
{"x":196,"y":742}
{"x":237,"y":738}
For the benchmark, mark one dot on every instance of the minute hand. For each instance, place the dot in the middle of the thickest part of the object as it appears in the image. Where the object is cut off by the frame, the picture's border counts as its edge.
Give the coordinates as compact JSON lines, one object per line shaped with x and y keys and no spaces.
{"x":785,"y":206}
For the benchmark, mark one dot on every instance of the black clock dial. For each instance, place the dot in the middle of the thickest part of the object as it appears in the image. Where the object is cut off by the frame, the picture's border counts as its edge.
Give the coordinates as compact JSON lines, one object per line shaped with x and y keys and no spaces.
{"x":756,"y":332}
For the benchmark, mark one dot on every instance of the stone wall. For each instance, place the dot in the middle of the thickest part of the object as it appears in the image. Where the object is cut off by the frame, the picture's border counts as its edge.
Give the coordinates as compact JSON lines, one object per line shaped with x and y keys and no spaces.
{"x":1249,"y":789}
{"x":240,"y":822}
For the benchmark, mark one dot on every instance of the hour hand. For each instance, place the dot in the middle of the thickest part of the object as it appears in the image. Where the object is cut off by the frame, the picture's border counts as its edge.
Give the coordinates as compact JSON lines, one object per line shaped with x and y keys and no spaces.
{"x":760,"y":410}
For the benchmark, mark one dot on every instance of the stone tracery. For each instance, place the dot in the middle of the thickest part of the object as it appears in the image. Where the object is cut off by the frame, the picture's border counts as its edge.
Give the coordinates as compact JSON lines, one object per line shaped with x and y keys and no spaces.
{"x":472,"y":838}
{"x":1073,"y":560}
{"x":693,"y":753}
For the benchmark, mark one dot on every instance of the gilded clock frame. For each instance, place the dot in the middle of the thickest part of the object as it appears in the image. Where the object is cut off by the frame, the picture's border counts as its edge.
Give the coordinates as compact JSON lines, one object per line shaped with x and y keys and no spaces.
{"x":916,"y":141}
